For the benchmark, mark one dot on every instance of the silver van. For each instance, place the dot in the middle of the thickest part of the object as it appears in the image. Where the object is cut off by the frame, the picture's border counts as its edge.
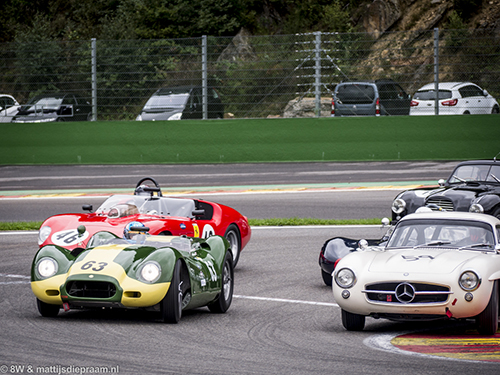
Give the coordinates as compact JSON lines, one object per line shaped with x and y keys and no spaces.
{"x":370,"y":98}
{"x":181,"y":103}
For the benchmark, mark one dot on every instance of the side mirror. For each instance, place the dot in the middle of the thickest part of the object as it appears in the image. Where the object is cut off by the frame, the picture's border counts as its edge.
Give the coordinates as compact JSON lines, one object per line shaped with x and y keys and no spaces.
{"x":441,"y":182}
{"x":198,"y":213}
{"x":385,"y":222}
{"x":81,"y":230}
{"x":87,"y":207}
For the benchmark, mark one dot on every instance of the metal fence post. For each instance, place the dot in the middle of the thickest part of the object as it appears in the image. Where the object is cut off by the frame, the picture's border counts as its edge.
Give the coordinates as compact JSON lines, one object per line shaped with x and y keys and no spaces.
{"x":436,"y":70}
{"x":94,"y":79}
{"x":204,"y":74}
{"x":317,"y":74}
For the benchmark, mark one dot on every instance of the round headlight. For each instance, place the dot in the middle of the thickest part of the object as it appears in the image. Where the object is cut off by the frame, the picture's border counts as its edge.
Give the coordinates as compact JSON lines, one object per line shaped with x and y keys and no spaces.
{"x":150,"y":272}
{"x":398,"y":206}
{"x":43,"y":234}
{"x":345,"y":278}
{"x":476,"y":207}
{"x":469,"y":280}
{"x":46,"y":267}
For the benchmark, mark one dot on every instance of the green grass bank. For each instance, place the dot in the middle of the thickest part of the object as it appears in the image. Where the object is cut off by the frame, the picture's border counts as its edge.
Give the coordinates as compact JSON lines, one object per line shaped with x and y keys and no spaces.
{"x":252,"y":140}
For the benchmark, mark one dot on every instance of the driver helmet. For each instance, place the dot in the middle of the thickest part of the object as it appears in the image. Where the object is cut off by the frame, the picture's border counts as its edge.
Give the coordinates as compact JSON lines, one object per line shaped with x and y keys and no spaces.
{"x":129,"y":234}
{"x":139,"y":190}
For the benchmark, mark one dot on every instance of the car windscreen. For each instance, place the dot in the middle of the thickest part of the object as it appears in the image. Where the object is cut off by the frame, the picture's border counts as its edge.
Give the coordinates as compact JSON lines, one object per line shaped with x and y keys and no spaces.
{"x":45,"y":103}
{"x":168,"y":100}
{"x":448,"y":233}
{"x":125,"y":205}
{"x":431,"y":94}
{"x":475,"y":172}
{"x":355,"y":93}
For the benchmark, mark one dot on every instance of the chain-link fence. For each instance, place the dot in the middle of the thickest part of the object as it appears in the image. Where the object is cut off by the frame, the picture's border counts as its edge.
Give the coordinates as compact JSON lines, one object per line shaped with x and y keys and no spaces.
{"x":255,"y":76}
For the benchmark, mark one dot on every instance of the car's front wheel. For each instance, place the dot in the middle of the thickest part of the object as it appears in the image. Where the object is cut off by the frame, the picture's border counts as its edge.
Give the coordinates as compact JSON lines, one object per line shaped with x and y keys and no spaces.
{"x":47,"y":310}
{"x":487,"y":321}
{"x":353,"y":322}
{"x":327,"y":278}
{"x":171,"y":305}
{"x":226,"y":294}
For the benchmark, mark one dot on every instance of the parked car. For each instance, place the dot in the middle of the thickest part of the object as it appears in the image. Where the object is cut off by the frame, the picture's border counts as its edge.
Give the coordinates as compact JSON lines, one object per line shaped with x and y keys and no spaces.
{"x":370,"y":98}
{"x":168,"y":274}
{"x":162,"y":215}
{"x":8,"y":107}
{"x":435,"y":265}
{"x":472,"y":186}
{"x":181,"y":103}
{"x":455,"y":98}
{"x":55,"y":107}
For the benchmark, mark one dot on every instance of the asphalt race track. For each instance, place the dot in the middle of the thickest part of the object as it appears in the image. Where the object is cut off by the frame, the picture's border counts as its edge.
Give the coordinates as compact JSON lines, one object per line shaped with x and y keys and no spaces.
{"x":283,"y":319}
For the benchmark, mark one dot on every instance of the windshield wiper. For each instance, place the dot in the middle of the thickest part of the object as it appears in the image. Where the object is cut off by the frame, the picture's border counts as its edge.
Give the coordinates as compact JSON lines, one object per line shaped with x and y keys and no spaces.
{"x":459,"y":179}
{"x":434,"y":243}
{"x":496,"y":178}
{"x":476,"y":245}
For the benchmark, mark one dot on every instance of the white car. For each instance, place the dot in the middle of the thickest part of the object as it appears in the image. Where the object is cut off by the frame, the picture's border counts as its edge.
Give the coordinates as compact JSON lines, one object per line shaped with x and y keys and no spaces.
{"x":8,"y":107}
{"x":455,"y":98}
{"x":435,"y":265}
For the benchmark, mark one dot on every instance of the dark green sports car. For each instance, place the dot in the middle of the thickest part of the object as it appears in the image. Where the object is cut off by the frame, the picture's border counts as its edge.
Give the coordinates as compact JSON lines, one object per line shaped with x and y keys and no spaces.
{"x":167,"y":274}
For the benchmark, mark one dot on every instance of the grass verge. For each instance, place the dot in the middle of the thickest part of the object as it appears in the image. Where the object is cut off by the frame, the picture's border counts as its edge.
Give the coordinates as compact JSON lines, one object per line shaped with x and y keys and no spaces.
{"x":35,"y":225}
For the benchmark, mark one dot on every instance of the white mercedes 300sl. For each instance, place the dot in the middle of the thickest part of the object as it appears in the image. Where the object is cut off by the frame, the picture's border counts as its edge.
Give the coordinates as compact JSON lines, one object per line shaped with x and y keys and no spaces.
{"x":435,"y":265}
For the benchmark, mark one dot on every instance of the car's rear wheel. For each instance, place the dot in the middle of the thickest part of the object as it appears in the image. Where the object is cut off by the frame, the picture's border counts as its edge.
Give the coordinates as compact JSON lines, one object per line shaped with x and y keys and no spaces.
{"x":171,"y":305}
{"x":226,"y":294}
{"x":47,"y":310}
{"x":495,"y":110}
{"x":353,"y":322}
{"x":233,"y":236}
{"x":327,"y":278}
{"x":487,"y":321}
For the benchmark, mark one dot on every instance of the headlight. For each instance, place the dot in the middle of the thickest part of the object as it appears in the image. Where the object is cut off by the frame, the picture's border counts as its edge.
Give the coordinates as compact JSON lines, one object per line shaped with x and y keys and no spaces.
{"x":476,"y":207}
{"x":176,"y":116}
{"x":398,"y":206}
{"x":46,"y":267}
{"x":150,"y":272}
{"x":43,"y":234}
{"x":469,"y":280}
{"x":345,"y":278}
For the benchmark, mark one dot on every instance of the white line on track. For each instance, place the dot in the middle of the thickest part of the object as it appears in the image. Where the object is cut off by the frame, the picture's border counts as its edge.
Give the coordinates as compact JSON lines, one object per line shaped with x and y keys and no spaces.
{"x":287,"y":301}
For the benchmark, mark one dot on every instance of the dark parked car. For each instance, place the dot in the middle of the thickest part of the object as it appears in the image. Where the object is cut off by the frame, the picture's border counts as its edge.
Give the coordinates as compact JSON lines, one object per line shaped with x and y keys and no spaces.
{"x":370,"y":98}
{"x":181,"y":103}
{"x":54,"y":107}
{"x":473,"y":186}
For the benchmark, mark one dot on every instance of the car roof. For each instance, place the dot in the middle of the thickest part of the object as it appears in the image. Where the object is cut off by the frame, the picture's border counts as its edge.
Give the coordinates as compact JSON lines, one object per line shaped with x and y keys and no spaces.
{"x":446,"y":85}
{"x":476,"y":162}
{"x":453,"y":215}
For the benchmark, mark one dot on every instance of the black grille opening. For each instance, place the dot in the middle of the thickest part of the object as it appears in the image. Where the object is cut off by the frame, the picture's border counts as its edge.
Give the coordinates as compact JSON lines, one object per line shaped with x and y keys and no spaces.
{"x":423,"y":293}
{"x":443,"y":203}
{"x":91,"y":289}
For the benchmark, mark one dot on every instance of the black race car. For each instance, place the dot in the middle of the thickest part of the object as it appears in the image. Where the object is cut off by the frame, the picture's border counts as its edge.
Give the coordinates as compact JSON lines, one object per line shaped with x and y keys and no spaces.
{"x":473,"y":186}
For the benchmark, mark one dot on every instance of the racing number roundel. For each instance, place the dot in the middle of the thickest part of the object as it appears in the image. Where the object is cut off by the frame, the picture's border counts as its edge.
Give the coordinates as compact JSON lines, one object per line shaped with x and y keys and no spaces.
{"x":68,"y":237}
{"x":208,"y":231}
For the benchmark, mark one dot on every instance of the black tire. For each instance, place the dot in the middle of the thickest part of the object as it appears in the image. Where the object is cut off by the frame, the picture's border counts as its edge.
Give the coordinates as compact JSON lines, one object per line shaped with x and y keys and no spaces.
{"x":327,"y":278}
{"x":47,"y":310}
{"x":234,"y":238}
{"x":171,"y":305}
{"x":353,"y":322}
{"x":487,"y":321}
{"x":495,"y":110}
{"x":221,"y":305}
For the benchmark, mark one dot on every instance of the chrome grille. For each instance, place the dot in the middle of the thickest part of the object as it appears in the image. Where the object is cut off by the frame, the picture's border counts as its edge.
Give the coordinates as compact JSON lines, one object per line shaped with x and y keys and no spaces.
{"x":90,"y":289}
{"x":406,"y":293}
{"x":444,"y":203}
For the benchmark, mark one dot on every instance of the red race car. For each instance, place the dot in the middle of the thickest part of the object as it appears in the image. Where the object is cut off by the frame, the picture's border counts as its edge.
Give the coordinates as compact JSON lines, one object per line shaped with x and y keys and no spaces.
{"x":162,"y":215}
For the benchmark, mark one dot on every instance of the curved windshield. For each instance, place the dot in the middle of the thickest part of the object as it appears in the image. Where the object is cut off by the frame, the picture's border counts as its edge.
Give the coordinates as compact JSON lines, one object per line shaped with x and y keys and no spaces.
{"x":38,"y":104}
{"x":475,"y":172}
{"x":170,"y":100}
{"x":125,"y":205}
{"x":449,"y":233}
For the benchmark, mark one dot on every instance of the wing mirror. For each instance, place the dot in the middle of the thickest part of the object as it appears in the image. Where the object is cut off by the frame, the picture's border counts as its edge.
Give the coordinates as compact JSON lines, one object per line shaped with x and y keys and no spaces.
{"x":441,"y":182}
{"x":198,"y":213}
{"x":87,"y":207}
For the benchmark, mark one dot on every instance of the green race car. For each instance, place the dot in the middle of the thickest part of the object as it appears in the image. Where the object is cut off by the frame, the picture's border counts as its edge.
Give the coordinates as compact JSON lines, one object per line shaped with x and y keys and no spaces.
{"x":167,"y":274}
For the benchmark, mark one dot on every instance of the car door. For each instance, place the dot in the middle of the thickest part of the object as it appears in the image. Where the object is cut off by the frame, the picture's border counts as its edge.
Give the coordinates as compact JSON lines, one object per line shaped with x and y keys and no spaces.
{"x":194,"y":106}
{"x":471,"y":97}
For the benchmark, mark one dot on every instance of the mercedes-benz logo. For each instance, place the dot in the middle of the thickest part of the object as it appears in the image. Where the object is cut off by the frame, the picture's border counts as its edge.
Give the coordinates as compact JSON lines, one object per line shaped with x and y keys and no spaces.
{"x":405,"y":292}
